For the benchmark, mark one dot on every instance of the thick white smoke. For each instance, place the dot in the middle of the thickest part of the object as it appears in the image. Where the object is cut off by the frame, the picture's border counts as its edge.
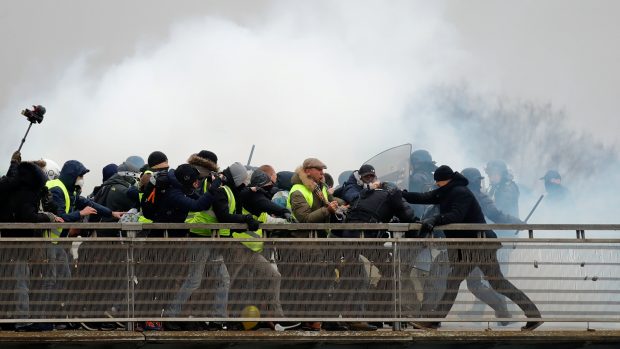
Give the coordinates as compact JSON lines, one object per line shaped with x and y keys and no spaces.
{"x":323,"y":79}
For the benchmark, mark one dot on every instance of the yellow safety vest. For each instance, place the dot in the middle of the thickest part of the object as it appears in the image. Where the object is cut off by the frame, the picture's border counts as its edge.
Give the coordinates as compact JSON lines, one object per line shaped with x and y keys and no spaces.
{"x":306,"y":193}
{"x":141,"y":218}
{"x":53,"y":184}
{"x":208,"y":216}
{"x":254,"y":246}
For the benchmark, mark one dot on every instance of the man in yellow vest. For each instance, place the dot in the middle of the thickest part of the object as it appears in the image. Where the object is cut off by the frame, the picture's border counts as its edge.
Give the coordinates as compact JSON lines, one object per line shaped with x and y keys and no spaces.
{"x":246,"y":257}
{"x":311,"y":202}
{"x":72,"y":207}
{"x":203,"y":255}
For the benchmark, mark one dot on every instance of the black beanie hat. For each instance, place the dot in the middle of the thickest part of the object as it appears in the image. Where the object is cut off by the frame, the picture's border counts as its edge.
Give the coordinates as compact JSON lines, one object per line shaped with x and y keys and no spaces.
{"x":156,"y":158}
{"x":443,"y":173}
{"x":209,"y":155}
{"x":186,"y":174}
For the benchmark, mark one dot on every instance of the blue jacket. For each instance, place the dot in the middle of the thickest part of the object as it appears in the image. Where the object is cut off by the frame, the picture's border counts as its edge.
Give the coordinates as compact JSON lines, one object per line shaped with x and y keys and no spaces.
{"x":351,"y":188}
{"x":71,"y":170}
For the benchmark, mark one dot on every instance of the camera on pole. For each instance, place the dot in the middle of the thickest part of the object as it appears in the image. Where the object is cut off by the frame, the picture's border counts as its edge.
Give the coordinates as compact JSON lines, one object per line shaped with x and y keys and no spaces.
{"x":35,"y":116}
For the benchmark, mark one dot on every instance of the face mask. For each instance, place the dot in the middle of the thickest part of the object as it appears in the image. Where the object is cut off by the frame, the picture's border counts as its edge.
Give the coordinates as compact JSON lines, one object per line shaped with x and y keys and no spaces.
{"x":79,"y":182}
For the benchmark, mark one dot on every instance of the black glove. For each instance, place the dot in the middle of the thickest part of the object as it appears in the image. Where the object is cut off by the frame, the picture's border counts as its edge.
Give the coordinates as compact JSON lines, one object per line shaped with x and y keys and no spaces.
{"x":217,"y":182}
{"x":289,"y":217}
{"x":16,"y":157}
{"x":161,"y":180}
{"x":427,"y":226}
{"x":252,"y":223}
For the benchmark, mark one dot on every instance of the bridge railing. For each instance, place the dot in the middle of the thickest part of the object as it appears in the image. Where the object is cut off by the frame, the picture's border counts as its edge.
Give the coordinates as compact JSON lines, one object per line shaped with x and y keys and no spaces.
{"x":137,"y":277}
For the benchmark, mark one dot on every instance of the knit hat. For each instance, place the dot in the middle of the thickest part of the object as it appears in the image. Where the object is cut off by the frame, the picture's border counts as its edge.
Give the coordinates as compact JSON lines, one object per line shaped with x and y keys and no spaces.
{"x":136,"y":161}
{"x":239,"y":173}
{"x":443,"y":173}
{"x":186,"y":174}
{"x":259,"y":179}
{"x":156,"y":158}
{"x":109,"y":171}
{"x":128,"y":167}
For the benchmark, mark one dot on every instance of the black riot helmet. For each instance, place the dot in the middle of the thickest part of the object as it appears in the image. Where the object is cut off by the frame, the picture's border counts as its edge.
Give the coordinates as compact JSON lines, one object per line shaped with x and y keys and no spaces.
{"x":474,"y":177}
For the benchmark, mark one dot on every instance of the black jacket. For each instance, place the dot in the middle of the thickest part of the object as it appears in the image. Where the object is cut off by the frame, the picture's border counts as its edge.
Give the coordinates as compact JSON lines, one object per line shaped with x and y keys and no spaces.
{"x":113,"y":195}
{"x":24,"y":201}
{"x":380,"y":206}
{"x":220,"y":204}
{"x":457,"y":204}
{"x":176,"y":201}
{"x":257,"y":202}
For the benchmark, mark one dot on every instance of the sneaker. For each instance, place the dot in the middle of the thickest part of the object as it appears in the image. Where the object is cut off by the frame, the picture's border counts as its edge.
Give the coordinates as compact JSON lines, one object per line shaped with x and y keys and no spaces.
{"x":361,"y":326}
{"x":90,"y":326}
{"x":531,"y":325}
{"x":216,"y":326}
{"x":285,"y":326}
{"x":152,"y":326}
{"x":425,"y":325}
{"x":111,"y":314}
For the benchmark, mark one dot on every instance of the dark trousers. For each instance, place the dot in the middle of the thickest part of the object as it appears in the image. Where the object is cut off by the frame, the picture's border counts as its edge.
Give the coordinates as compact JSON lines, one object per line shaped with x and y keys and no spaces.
{"x":463,"y":260}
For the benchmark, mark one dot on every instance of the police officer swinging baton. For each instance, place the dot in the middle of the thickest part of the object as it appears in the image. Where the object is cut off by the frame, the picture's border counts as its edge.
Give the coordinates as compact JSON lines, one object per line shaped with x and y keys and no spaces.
{"x":34,"y":116}
{"x":532,"y":210}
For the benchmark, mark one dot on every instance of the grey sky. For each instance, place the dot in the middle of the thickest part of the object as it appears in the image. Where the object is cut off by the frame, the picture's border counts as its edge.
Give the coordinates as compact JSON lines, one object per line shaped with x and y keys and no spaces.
{"x":563,"y":51}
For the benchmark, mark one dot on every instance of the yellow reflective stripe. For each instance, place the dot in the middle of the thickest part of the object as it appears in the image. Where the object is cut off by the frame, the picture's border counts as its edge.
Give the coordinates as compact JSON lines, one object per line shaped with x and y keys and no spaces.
{"x":57,"y":183}
{"x":307,"y":195}
{"x":207,"y":217}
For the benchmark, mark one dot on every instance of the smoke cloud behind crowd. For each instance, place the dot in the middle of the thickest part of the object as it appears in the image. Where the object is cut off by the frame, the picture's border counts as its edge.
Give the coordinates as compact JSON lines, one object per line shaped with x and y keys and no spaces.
{"x":340,"y":81}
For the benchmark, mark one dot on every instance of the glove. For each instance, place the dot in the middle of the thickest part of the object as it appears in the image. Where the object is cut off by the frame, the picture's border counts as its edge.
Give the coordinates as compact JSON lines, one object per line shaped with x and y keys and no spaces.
{"x":217,"y":182}
{"x":16,"y":157}
{"x":252,"y":223}
{"x":161,"y":180}
{"x":427,"y":226}
{"x":289,"y":217}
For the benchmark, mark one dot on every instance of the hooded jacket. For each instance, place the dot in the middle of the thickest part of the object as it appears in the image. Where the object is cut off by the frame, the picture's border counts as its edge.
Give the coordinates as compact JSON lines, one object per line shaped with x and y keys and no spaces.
{"x":68,"y":175}
{"x":177,"y":201}
{"x":317,"y":213}
{"x":114,"y":195}
{"x":457,"y":204}
{"x":220,"y":204}
{"x":351,"y":189}
{"x":25,"y":200}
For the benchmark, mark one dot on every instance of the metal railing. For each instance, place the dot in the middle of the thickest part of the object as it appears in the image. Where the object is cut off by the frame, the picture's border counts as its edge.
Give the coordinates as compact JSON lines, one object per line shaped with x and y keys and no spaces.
{"x":309,"y":278}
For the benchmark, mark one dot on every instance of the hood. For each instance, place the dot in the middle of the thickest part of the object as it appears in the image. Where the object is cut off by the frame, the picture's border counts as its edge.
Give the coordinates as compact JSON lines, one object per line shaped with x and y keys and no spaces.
{"x":71,"y":170}
{"x":122,"y":180}
{"x":197,"y":162}
{"x":31,"y":175}
{"x":283,"y":181}
{"x":354,"y":178}
{"x":457,"y":180}
{"x":300,"y":177}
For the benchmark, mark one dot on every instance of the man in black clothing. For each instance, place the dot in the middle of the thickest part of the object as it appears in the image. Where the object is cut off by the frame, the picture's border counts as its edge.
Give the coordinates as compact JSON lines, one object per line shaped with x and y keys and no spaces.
{"x":457,"y":204}
{"x":376,"y":203}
